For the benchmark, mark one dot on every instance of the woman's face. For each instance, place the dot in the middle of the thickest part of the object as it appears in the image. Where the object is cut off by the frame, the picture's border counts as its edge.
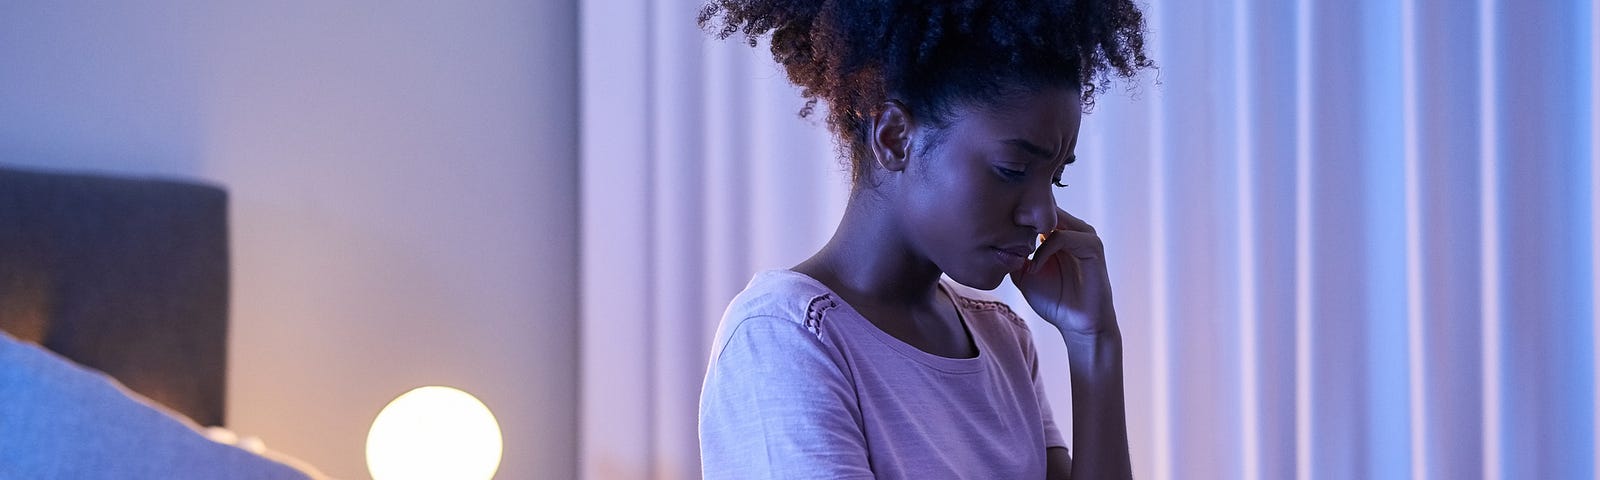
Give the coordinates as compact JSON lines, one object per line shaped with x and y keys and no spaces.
{"x":975,"y":203}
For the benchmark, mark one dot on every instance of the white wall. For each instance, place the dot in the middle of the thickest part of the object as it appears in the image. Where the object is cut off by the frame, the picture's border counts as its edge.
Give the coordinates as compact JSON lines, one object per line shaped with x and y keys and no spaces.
{"x":403,"y":180}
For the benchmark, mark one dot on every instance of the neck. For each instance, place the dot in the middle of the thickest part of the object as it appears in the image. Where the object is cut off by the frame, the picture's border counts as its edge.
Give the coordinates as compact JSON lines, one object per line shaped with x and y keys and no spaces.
{"x":870,"y":259}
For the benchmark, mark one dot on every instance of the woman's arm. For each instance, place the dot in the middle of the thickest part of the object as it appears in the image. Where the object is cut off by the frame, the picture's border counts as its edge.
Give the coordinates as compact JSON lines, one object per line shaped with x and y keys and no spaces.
{"x":1060,"y":464}
{"x":1066,"y":284}
{"x":1099,"y":414}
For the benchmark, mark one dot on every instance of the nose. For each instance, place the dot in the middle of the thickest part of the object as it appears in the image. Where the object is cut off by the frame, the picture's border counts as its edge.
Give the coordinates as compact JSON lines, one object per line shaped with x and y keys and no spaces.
{"x":1037,"y":210}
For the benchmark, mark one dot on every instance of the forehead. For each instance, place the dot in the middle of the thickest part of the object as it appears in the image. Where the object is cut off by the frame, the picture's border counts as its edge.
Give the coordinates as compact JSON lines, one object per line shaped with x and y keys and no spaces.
{"x":1049,"y":117}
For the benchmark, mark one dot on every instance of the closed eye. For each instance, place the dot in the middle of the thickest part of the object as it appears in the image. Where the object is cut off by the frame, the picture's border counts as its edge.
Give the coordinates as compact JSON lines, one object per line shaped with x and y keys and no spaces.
{"x":1011,"y":174}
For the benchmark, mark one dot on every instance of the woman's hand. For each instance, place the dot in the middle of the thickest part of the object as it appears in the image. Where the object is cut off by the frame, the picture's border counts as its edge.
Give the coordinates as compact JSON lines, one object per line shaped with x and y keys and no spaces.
{"x":1066,"y":281}
{"x":1067,"y":284}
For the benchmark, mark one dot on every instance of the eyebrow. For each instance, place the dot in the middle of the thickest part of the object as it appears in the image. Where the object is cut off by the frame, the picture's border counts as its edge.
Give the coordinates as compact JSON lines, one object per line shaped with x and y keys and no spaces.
{"x":1030,"y":148}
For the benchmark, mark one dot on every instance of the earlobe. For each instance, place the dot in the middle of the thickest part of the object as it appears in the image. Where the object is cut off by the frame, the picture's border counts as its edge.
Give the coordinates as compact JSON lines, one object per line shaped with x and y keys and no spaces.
{"x":890,"y":137}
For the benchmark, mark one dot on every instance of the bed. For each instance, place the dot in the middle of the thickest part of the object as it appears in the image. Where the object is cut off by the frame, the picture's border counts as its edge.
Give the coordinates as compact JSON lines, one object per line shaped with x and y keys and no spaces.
{"x":114,"y":331}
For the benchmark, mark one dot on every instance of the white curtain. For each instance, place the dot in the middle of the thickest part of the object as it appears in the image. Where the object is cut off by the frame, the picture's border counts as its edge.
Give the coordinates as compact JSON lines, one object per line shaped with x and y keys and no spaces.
{"x":1349,"y":239}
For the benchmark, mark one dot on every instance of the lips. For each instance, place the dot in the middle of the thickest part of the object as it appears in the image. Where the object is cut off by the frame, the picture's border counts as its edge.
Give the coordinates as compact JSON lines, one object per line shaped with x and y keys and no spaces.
{"x":1013,"y":257}
{"x":1018,"y":250}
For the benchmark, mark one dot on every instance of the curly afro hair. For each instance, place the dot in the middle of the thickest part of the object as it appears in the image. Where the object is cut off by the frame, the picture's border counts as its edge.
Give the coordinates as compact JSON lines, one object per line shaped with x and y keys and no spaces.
{"x":933,"y":55}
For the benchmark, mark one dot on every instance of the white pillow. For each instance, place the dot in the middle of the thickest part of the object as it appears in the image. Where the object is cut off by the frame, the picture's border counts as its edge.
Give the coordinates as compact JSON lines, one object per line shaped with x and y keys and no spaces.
{"x":62,"y":420}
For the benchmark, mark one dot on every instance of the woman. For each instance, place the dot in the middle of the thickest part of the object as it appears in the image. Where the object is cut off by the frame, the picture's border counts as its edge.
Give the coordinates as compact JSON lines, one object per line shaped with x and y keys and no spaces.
{"x":957,"y":119}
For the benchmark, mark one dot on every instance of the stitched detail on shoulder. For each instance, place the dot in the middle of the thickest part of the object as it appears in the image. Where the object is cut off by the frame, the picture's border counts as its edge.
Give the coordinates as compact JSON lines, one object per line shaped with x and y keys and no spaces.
{"x":814,"y":310}
{"x":991,"y":305}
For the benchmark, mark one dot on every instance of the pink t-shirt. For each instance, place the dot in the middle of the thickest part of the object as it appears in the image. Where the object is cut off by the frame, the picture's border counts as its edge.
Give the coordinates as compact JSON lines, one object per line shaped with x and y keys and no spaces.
{"x":802,"y":386}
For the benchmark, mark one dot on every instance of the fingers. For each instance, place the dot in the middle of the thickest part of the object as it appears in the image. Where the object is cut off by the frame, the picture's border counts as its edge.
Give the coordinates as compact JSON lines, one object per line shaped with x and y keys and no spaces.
{"x":1081,"y":245}
{"x":1072,"y":235}
{"x":1065,"y":221}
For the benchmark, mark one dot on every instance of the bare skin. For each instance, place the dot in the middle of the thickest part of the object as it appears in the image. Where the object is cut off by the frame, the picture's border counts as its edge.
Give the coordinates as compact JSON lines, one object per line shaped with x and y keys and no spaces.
{"x":972,"y":207}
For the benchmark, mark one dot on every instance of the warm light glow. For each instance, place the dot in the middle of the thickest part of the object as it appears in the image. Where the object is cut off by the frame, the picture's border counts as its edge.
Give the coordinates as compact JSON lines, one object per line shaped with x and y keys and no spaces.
{"x":434,"y":433}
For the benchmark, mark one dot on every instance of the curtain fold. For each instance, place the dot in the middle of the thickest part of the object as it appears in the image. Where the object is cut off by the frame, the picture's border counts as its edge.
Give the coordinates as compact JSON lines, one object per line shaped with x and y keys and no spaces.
{"x":1348,"y":239}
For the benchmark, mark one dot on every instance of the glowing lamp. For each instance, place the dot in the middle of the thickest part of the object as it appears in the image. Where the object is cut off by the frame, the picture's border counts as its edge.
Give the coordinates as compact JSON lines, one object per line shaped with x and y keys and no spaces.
{"x":434,"y":433}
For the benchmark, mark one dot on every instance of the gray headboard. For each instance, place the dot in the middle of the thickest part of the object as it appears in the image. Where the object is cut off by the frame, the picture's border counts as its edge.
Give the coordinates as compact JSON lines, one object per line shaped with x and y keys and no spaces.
{"x":128,"y":276}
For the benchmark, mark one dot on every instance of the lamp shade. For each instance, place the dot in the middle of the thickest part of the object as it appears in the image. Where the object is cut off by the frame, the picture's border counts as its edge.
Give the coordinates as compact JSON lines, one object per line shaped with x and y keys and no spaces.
{"x":434,"y":433}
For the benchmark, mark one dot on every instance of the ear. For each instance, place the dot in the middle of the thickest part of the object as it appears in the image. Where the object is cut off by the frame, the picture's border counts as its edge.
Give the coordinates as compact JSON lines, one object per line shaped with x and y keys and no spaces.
{"x":890,"y":137}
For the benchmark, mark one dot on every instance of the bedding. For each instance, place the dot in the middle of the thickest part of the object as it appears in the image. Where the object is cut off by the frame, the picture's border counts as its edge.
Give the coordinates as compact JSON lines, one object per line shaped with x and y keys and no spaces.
{"x":59,"y":419}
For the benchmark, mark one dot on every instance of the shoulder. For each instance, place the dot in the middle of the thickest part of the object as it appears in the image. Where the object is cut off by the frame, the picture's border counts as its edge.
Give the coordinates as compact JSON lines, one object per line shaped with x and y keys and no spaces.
{"x":775,"y":301}
{"x":776,"y":293}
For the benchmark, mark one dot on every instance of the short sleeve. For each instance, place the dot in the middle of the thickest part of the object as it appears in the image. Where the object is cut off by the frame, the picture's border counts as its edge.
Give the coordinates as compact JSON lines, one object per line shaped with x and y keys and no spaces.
{"x":776,"y":403}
